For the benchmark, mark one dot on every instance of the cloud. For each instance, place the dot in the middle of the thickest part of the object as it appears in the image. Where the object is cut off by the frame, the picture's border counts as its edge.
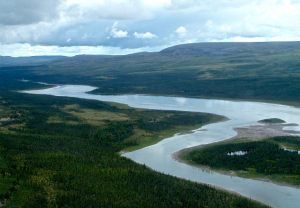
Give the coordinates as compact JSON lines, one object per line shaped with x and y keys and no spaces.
{"x":145,"y":35}
{"x":143,"y":23}
{"x":181,"y":31}
{"x":17,"y":50}
{"x":15,"y":12}
{"x":114,"y":9}
{"x":118,"y":33}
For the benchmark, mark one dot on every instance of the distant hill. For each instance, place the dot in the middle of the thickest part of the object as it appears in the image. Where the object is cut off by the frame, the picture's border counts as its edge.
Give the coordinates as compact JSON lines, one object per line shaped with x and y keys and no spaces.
{"x":229,"y":49}
{"x":217,"y":49}
{"x":265,"y":71}
{"x":33,"y":60}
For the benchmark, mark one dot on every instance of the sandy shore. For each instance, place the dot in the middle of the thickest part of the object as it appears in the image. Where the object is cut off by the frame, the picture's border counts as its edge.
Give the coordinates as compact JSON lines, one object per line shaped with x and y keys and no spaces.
{"x":262,"y":131}
{"x":252,"y":133}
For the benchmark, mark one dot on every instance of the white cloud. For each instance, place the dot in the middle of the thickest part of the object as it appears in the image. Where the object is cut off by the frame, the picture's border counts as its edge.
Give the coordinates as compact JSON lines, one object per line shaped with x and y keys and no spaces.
{"x":118,"y":33}
{"x":89,"y":23}
{"x":16,"y":50}
{"x":181,"y":31}
{"x":145,"y":35}
{"x":114,"y":9}
{"x":260,"y":39}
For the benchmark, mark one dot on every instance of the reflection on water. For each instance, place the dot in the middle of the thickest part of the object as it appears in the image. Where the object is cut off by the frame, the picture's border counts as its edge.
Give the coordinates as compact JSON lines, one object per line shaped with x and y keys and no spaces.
{"x":159,"y":156}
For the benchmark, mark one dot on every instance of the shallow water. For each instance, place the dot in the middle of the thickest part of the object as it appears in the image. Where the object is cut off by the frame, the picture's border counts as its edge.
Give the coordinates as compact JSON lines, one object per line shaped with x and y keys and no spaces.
{"x":159,"y":156}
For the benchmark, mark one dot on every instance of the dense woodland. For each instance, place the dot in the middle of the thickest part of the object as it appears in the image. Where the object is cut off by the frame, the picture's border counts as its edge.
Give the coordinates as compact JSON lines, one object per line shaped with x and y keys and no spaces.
{"x":53,"y":155}
{"x":277,"y":156}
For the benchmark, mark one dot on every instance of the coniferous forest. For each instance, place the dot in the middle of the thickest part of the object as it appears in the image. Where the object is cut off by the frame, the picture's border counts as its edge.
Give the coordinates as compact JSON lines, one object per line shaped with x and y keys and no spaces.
{"x":55,"y":153}
{"x":275,"y":158}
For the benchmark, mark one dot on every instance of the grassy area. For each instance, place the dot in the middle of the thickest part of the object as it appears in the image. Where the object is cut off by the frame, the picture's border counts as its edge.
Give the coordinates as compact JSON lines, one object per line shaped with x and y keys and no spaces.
{"x":92,"y":116}
{"x":275,"y":158}
{"x":155,"y":126}
{"x":63,"y":152}
{"x":149,"y":127}
{"x":142,"y":139}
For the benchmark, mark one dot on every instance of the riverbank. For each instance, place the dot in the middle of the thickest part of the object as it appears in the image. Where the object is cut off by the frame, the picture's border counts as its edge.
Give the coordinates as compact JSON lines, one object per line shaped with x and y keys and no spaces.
{"x":143,"y":139}
{"x":248,"y":135}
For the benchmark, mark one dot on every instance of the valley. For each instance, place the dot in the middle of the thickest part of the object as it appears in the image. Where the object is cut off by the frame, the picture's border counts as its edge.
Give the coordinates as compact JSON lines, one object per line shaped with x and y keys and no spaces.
{"x":62,"y":150}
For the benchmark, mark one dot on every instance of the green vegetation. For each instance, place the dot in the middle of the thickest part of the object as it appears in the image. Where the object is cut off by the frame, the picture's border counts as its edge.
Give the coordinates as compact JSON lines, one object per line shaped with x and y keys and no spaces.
{"x":63,"y":152}
{"x":275,"y":158}
{"x":272,"y":121}
{"x":252,"y":71}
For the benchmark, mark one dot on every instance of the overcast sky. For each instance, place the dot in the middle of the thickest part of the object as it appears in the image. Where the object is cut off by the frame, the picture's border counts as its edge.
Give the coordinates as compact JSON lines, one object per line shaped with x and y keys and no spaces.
{"x":70,"y":27}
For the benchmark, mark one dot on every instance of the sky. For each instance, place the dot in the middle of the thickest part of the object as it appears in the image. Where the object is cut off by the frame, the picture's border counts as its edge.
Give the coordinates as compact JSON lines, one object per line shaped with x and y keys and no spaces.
{"x":72,"y":27}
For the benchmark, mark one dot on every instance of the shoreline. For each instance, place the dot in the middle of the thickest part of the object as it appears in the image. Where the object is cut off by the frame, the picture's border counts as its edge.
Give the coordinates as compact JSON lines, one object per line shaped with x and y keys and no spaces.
{"x":291,"y":103}
{"x":172,"y":132}
{"x":244,"y":134}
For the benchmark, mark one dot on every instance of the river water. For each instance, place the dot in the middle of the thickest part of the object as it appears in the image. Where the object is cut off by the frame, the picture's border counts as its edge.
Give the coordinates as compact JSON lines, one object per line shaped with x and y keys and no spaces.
{"x":159,"y":156}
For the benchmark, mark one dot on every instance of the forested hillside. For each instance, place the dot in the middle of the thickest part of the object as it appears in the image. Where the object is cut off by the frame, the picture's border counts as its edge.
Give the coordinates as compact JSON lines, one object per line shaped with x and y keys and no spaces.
{"x":264,"y":71}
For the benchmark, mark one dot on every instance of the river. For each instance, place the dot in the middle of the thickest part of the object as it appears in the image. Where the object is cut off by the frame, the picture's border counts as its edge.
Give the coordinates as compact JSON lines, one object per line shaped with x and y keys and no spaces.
{"x":159,"y":156}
